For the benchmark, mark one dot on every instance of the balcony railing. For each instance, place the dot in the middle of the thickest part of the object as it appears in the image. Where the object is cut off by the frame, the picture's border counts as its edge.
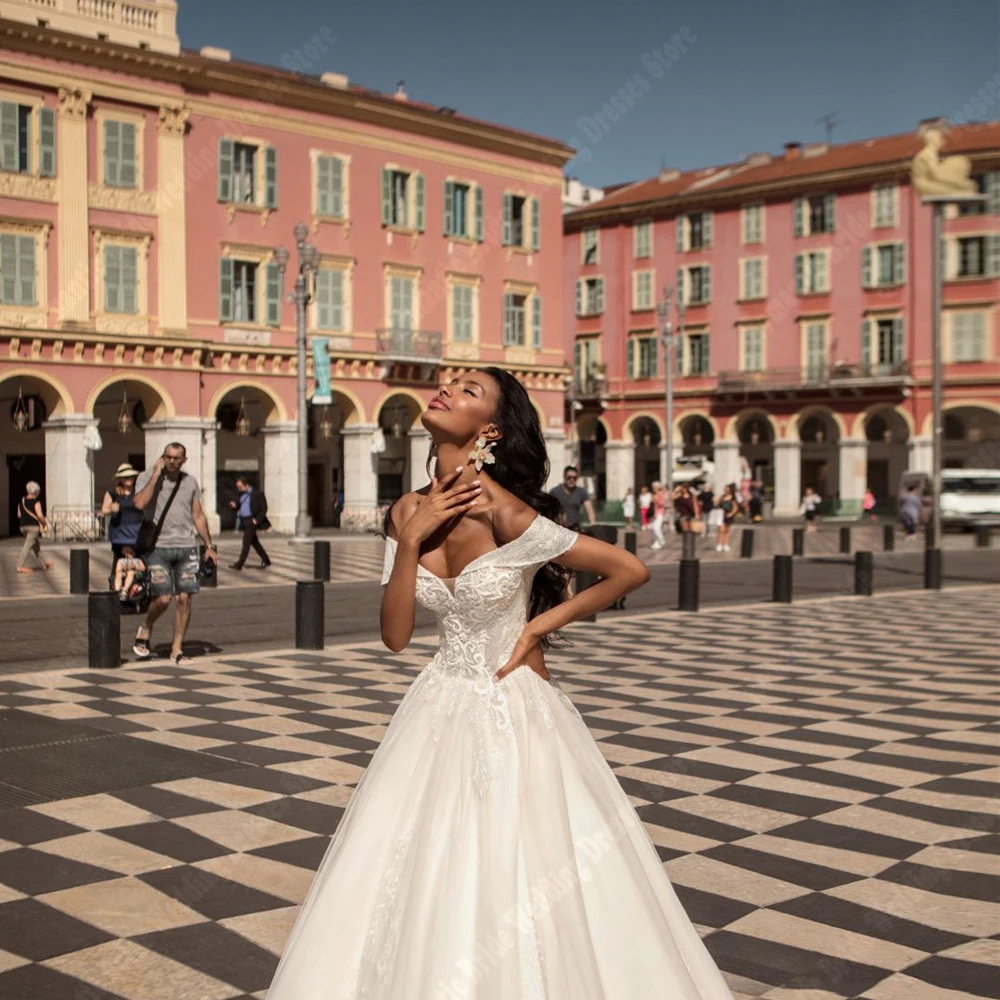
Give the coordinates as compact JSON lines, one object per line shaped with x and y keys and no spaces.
{"x":416,"y":346}
{"x":845,"y":376}
{"x":589,"y":386}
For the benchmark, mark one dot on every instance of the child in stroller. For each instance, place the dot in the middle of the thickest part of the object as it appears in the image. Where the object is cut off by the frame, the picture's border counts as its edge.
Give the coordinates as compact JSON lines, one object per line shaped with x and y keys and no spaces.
{"x":130,"y":580}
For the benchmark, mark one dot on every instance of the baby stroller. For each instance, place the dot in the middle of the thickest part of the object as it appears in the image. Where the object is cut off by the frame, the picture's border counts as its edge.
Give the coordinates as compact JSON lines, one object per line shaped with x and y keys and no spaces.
{"x":137,"y":600}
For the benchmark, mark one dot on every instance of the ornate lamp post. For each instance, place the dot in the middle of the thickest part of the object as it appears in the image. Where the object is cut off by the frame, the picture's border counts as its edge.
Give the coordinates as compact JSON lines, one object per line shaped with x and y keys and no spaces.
{"x":308,"y":261}
{"x":669,"y":341}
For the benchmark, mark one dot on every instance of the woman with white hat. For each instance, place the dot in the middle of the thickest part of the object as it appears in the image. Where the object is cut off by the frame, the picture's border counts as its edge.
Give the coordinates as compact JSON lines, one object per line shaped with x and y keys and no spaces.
{"x":125,"y":517}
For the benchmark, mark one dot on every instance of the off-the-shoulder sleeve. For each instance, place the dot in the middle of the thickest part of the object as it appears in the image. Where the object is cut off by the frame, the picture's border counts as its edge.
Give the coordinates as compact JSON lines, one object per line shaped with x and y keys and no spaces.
{"x":390,"y":558}
{"x":542,"y":541}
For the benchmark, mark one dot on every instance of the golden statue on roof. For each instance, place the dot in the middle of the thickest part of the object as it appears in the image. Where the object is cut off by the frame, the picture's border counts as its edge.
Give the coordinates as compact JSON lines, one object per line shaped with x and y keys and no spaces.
{"x":934,"y":176}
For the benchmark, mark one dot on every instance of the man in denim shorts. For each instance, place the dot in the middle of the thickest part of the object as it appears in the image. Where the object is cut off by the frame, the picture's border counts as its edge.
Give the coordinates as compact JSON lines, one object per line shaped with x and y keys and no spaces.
{"x":173,"y":563}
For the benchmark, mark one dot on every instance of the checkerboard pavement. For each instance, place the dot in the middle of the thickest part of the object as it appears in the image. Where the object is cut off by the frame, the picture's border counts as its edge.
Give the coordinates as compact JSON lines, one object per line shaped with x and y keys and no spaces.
{"x":819,"y":781}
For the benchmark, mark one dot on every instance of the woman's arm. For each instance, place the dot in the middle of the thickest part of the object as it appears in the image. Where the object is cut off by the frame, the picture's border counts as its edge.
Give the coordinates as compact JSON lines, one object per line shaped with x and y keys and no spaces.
{"x":106,"y":504}
{"x":40,"y":515}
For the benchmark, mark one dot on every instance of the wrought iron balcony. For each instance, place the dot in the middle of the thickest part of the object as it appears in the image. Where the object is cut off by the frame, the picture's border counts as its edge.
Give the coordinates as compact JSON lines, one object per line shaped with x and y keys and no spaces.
{"x":420,"y":347}
{"x":591,"y":386}
{"x":834,"y":378}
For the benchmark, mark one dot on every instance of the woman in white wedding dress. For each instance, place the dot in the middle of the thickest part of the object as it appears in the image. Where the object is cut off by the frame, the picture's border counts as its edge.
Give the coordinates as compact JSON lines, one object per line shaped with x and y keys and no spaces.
{"x":488,"y":852}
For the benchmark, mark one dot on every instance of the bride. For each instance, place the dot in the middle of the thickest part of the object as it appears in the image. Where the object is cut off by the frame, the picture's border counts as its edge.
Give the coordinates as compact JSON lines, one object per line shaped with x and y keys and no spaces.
{"x":488,"y":851}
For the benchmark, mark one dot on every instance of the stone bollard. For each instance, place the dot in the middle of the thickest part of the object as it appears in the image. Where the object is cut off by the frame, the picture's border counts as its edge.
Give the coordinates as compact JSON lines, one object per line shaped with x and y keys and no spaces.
{"x":888,"y":538}
{"x":688,"y":580}
{"x":310,"y":596}
{"x":983,"y":539}
{"x":104,"y":630}
{"x":630,"y":542}
{"x":79,"y":571}
{"x":864,"y":574}
{"x":798,"y":541}
{"x":781,"y":589}
{"x":845,"y":540}
{"x":321,"y":561}
{"x":746,"y":544}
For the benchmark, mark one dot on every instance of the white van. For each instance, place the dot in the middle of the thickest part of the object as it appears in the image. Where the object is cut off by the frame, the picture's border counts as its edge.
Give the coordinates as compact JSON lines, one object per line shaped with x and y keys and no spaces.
{"x":970,"y":497}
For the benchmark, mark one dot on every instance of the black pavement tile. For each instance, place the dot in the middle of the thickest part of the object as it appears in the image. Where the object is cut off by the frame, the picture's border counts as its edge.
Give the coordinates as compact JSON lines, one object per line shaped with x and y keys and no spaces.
{"x":649,"y":790}
{"x":955,"y":746}
{"x":208,"y":894}
{"x":26,"y":826}
{"x":697,"y":768}
{"x":987,"y":844}
{"x":667,"y":853}
{"x":162,"y":802}
{"x":906,"y":762}
{"x":684,"y":822}
{"x":962,"y":786}
{"x":826,"y":738}
{"x":312,"y":816}
{"x":784,"y":802}
{"x":247,"y":753}
{"x":269,"y":779}
{"x":169,"y":839}
{"x":222,"y":731}
{"x":31,"y":929}
{"x":39,"y":982}
{"x":945,"y":881}
{"x":113,"y":707}
{"x":212,"y":713}
{"x":781,"y":753}
{"x":847,"y":838}
{"x":709,"y":909}
{"x":661,"y":745}
{"x":804,"y":873}
{"x":935,"y":814}
{"x":121,"y":723}
{"x":838,"y":779}
{"x":25,"y":729}
{"x":306,"y":853}
{"x":33,"y":872}
{"x":952,"y":974}
{"x":340,"y":739}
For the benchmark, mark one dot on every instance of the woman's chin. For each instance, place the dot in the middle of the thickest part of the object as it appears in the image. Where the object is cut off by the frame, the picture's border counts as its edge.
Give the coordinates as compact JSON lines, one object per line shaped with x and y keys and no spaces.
{"x":432,"y":419}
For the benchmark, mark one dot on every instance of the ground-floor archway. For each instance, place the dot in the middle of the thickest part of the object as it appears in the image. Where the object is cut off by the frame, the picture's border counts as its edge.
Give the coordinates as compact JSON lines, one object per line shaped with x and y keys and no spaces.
{"x":646,"y":435}
{"x":756,"y":435}
{"x":819,"y":461}
{"x":592,"y":436}
{"x":971,"y":438}
{"x":396,"y":416}
{"x":327,"y":470}
{"x":888,"y":438}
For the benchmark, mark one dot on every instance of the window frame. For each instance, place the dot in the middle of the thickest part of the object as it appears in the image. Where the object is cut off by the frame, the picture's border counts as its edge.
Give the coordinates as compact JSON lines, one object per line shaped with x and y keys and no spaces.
{"x":949,"y":335}
{"x":415,"y":274}
{"x":805,"y":323}
{"x":645,"y":225}
{"x":683,"y":359}
{"x":260,"y":258}
{"x":805,"y":255}
{"x":345,"y":267}
{"x":744,"y":295}
{"x":687,"y":283}
{"x":871,"y":253}
{"x":260,"y":202}
{"x":759,"y":327}
{"x":875,"y":222}
{"x":108,"y":321}
{"x":650,"y":273}
{"x":315,"y":155}
{"x":472,"y":282}
{"x":636,"y":339}
{"x":138,"y":121}
{"x":36,"y":103}
{"x":745,"y":211}
{"x":595,"y":231}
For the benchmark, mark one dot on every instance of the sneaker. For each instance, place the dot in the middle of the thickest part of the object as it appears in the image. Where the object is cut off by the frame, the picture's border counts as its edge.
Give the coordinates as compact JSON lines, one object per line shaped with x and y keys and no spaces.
{"x":264,"y":565}
{"x":726,"y":548}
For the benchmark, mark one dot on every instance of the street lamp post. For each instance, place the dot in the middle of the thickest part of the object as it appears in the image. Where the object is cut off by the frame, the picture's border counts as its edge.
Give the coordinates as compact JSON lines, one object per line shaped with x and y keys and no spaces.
{"x":669,"y":341}
{"x":308,"y":259}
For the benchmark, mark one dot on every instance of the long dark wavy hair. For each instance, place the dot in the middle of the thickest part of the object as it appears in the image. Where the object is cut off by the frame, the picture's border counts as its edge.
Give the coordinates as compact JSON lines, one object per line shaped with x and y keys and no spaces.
{"x":522,"y":467}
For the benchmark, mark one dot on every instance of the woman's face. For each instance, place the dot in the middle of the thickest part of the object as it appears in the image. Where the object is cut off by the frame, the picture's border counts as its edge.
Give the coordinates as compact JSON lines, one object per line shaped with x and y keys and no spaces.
{"x":463,"y":409}
{"x":128,"y":484}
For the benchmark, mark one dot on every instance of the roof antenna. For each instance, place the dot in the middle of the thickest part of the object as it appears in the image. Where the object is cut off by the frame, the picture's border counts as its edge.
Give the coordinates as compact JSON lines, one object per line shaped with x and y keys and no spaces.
{"x":830,"y":121}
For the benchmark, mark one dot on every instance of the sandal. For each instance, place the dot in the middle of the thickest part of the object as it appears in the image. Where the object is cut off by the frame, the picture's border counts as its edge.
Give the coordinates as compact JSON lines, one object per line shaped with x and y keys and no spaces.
{"x":141,"y":645}
{"x":25,"y":569}
{"x":181,"y":660}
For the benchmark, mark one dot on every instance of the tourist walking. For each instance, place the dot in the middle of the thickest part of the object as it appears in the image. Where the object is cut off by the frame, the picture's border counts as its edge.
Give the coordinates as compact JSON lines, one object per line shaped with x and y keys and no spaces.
{"x":911,"y":506}
{"x":572,"y":497}
{"x":810,"y":507}
{"x":685,"y":507}
{"x":628,"y":509}
{"x":645,"y":506}
{"x":868,"y":504}
{"x":32,"y":522}
{"x":124,"y":518}
{"x":252,"y":511}
{"x":729,"y":509}
{"x":659,"y":514}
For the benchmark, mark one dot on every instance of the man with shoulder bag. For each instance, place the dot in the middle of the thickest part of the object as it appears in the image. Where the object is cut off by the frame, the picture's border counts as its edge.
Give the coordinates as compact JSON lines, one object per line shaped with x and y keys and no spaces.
{"x":168,"y":543}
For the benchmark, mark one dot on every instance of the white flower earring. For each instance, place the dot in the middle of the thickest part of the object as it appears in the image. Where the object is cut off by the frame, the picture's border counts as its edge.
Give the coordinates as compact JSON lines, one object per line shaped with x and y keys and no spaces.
{"x":482,"y":453}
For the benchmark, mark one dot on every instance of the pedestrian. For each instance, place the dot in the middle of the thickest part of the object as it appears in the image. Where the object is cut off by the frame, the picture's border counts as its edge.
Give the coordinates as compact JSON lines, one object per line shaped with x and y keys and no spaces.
{"x":727,"y":509}
{"x":124,"y":518}
{"x":645,"y":506}
{"x":169,"y":546}
{"x":868,"y":504}
{"x":628,"y":509}
{"x":685,"y":507}
{"x":252,"y":511}
{"x":572,"y":497}
{"x":32,"y":522}
{"x":809,"y":507}
{"x":659,"y":513}
{"x":756,"y":501}
{"x":910,"y":508}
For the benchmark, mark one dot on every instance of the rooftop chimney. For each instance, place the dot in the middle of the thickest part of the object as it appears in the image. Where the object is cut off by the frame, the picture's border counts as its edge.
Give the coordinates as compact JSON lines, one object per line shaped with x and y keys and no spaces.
{"x":211,"y":52}
{"x":400,"y":94}
{"x":336,"y":80}
{"x":814,"y":149}
{"x":758,"y":159}
{"x":793,"y":150}
{"x":669,"y":174}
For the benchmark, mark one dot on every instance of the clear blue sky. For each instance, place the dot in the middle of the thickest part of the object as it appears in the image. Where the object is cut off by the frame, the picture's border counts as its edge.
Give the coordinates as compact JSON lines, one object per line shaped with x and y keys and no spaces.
{"x":753,"y":75}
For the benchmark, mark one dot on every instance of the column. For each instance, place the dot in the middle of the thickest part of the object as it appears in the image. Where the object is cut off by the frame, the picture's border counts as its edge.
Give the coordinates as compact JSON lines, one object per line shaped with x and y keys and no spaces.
{"x":921,"y":456}
{"x":280,"y":482}
{"x":198,"y":437}
{"x":171,"y":298}
{"x":71,"y":195}
{"x":555,"y":446}
{"x":419,"y":441}
{"x":853,"y":475}
{"x":360,"y":479}
{"x":726,"y":459}
{"x":69,"y":477}
{"x":787,"y":478}
{"x":619,"y":466}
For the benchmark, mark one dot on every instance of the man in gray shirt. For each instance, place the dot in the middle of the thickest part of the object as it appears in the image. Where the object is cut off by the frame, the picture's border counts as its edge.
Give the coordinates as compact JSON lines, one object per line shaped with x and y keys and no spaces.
{"x":572,"y":498}
{"x":173,"y":563}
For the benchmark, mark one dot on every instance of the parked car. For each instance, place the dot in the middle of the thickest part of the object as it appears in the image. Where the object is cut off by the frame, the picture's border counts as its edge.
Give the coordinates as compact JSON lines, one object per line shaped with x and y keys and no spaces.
{"x":969,"y":497}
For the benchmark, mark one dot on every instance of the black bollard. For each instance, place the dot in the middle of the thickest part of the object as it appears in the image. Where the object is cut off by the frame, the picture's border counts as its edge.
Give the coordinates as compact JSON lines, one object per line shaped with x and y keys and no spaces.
{"x":309,"y":614}
{"x":687,"y":585}
{"x":982,"y":536}
{"x":210,"y":576}
{"x":689,"y":545}
{"x":104,"y":630}
{"x":932,"y":569}
{"x":781,"y":590}
{"x":929,"y":535}
{"x":321,"y":561}
{"x":630,"y":545}
{"x":845,"y":540}
{"x":746,"y":544}
{"x":584,"y":580}
{"x":888,"y":538}
{"x":79,"y":571}
{"x":864,"y":574}
{"x":798,"y":541}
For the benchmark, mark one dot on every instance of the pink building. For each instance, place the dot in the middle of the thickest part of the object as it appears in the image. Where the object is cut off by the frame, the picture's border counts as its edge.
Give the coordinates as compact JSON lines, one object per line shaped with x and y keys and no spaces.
{"x":805,"y":355}
{"x":142,"y":192}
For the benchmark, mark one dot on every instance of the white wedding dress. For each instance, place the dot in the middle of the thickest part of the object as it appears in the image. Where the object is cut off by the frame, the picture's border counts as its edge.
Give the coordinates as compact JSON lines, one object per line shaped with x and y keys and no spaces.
{"x":488,"y":852}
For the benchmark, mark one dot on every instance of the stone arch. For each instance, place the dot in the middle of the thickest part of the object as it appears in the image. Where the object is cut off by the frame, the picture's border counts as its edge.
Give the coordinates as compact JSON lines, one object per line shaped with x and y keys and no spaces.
{"x":736,"y":421}
{"x":55,"y":395}
{"x":958,"y":404}
{"x":817,"y":411}
{"x":277,"y":412}
{"x":357,"y":414}
{"x":860,"y":424}
{"x":644,"y":414}
{"x":149,"y":392}
{"x":419,"y":401}
{"x":681,"y":419}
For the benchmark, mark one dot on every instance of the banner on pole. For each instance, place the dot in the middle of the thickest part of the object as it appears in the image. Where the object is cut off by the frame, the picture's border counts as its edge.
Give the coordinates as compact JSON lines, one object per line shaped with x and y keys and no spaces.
{"x":322,"y":395}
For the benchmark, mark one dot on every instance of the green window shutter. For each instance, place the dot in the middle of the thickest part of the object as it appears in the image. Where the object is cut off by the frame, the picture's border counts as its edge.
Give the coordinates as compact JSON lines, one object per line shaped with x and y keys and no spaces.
{"x":47,"y":142}
{"x":449,"y":208}
{"x":600,"y":296}
{"x":8,"y":269}
{"x":505,"y":230}
{"x":225,"y":289}
{"x":706,"y":229}
{"x":977,"y":344}
{"x":680,"y":233}
{"x":680,"y":285}
{"x":579,"y":297}
{"x":479,"y":215}
{"x":991,"y":187}
{"x":9,"y":160}
{"x":536,"y":225}
{"x":799,"y":215}
{"x":324,"y":204}
{"x":126,"y":155}
{"x":225,"y":171}
{"x":706,"y":284}
{"x":630,"y":354}
{"x":993,"y":255}
{"x":386,"y":196}
{"x":830,"y":211}
{"x":899,"y":263}
{"x":866,"y":267}
{"x":866,"y":344}
{"x":336,"y":187}
{"x":943,"y":258}
{"x":508,"y":319}
{"x":324,"y":318}
{"x":26,"y":270}
{"x":112,"y":279}
{"x":822,"y":278}
{"x":112,"y":152}
{"x":418,"y":201}
{"x":336,"y":300}
{"x":129,"y":301}
{"x":270,"y":177}
{"x":800,"y":274}
{"x":536,"y":321}
{"x":272,"y":295}
{"x":898,"y":341}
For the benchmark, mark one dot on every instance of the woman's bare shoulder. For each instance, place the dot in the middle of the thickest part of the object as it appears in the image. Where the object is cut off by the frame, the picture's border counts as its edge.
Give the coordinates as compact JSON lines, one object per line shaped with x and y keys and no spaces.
{"x":511,"y":516}
{"x":402,"y":511}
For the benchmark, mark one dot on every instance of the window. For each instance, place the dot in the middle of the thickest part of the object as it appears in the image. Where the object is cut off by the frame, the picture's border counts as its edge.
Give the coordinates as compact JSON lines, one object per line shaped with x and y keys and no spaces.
{"x":330,"y":187}
{"x":814,"y":215}
{"x":987,"y":184}
{"x":514,"y":314}
{"x":976,"y":257}
{"x":695,"y":284}
{"x":882,"y":345}
{"x":591,"y":239}
{"x":330,"y":305}
{"x":812,"y":273}
{"x":968,"y":336}
{"x":883,"y":265}
{"x":244,"y":291}
{"x":642,"y":240}
{"x":121,"y":279}
{"x":753,"y":224}
{"x":884,"y":205}
{"x":463,"y":210}
{"x":17,"y":125}
{"x":815,"y":351}
{"x":589,"y":296}
{"x":642,"y":356}
{"x":752,"y":278}
{"x":119,"y":154}
{"x":461,"y":313}
{"x":694,"y":232}
{"x":642,"y":290}
{"x":693,"y":357}
{"x":402,"y":199}
{"x":521,"y":223}
{"x":17,"y":270}
{"x":752,"y":349}
{"x":241,"y":167}
{"x":585,"y":357}
{"x":401,"y":303}
{"x":249,"y":291}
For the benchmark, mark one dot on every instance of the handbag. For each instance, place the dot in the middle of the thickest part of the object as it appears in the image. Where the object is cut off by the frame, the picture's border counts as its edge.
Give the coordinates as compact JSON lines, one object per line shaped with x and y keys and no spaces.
{"x":698,"y":526}
{"x":149,"y":531}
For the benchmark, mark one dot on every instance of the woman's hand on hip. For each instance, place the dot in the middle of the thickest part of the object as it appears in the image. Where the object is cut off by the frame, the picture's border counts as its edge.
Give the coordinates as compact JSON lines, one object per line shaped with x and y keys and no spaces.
{"x":527,"y":653}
